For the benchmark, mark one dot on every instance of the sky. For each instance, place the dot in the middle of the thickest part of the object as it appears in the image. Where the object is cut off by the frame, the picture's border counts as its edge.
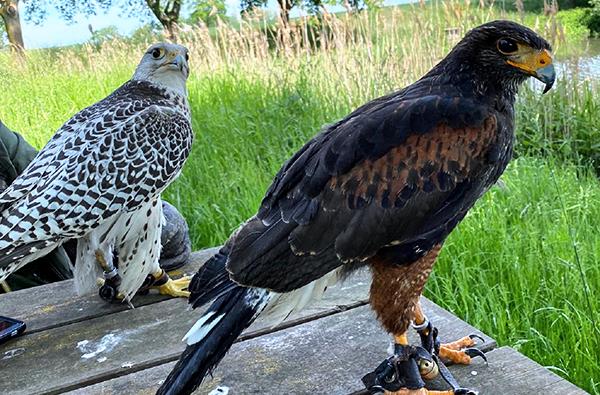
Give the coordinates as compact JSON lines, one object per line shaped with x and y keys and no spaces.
{"x":54,"y":31}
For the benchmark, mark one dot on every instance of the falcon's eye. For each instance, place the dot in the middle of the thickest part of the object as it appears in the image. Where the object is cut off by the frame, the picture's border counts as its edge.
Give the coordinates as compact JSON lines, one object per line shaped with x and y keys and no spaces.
{"x":157,"y":53}
{"x":187,"y":56}
{"x":507,"y":46}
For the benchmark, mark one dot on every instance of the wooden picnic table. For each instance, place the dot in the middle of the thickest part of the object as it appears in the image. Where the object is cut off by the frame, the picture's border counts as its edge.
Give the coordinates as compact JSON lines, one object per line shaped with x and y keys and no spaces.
{"x":83,"y":345}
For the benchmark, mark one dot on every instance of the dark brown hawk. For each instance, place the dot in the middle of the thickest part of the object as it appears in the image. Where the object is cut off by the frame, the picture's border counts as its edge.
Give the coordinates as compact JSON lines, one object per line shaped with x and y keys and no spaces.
{"x":383,"y":187}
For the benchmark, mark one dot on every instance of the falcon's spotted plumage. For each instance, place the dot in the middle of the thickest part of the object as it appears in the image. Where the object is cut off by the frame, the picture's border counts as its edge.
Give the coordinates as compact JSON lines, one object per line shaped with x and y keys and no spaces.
{"x":382,"y":188}
{"x":99,"y":180}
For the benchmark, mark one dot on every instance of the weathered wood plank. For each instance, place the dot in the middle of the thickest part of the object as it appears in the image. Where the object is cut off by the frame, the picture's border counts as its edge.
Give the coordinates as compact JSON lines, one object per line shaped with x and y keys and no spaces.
{"x":513,"y":373}
{"x":57,"y":304}
{"x":330,"y":355}
{"x":134,"y":338}
{"x":54,"y":363}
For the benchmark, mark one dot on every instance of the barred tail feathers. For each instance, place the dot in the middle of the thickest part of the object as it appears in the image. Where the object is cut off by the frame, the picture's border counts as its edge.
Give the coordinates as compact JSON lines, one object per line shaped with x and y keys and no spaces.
{"x":212,"y":336}
{"x":233,"y":309}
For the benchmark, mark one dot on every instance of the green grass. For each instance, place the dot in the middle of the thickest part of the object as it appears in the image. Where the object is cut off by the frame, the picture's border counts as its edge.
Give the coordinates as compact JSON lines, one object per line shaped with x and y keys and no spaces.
{"x":562,"y":125}
{"x":509,"y":268}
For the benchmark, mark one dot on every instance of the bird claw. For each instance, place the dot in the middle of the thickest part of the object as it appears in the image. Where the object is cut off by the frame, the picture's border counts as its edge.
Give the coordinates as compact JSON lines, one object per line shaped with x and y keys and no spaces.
{"x":166,"y":285}
{"x":175,"y":287}
{"x":475,"y":352}
{"x":402,"y":371}
{"x":474,"y":336}
{"x":462,"y":350}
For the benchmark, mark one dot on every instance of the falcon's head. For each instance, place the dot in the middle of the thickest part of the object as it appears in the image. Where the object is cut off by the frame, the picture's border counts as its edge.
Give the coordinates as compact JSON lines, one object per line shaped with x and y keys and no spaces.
{"x":506,"y":52}
{"x":165,"y":64}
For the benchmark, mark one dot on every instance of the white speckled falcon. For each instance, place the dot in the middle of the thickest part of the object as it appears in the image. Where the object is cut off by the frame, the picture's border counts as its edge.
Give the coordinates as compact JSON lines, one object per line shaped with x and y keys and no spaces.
{"x":99,"y":180}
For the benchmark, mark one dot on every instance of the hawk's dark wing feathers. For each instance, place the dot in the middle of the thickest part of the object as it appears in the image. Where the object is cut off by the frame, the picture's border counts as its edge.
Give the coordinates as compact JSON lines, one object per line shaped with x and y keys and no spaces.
{"x":393,"y":178}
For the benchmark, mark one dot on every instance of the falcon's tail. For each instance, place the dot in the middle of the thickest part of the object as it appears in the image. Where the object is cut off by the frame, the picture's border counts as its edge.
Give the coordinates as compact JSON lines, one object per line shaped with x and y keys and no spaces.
{"x":233,"y":310}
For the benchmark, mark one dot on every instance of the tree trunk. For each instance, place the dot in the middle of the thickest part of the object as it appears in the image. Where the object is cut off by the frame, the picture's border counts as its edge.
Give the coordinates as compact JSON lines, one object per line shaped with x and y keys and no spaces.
{"x":285,"y":7}
{"x":9,"y":11}
{"x":171,"y":29}
{"x":168,"y":16}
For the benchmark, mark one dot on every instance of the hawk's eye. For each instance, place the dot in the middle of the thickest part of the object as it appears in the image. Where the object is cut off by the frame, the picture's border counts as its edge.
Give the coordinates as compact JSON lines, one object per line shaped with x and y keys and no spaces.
{"x":156,"y":53}
{"x":507,"y":46}
{"x":187,"y":56}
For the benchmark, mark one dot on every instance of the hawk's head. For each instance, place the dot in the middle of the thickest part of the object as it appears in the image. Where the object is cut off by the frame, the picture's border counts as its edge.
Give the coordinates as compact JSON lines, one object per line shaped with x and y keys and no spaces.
{"x":165,"y":64}
{"x":505,"y":52}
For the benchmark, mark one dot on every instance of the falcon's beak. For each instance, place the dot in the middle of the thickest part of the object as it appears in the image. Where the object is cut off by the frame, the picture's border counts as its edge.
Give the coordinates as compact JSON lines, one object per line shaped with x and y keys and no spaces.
{"x":179,"y":61}
{"x":537,"y":64}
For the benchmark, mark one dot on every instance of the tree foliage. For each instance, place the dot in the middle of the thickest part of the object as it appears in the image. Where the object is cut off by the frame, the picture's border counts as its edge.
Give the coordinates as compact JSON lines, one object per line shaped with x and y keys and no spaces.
{"x":538,"y":5}
{"x":592,"y":18}
{"x":147,"y":34}
{"x":102,"y":35}
{"x":249,"y":5}
{"x":359,"y":5}
{"x":167,"y":12}
{"x":36,"y":11}
{"x":208,"y":11}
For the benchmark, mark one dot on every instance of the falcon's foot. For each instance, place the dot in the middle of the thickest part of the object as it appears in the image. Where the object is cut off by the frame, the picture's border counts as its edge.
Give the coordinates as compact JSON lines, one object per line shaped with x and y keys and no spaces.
{"x":167,"y":286}
{"x":109,"y":290}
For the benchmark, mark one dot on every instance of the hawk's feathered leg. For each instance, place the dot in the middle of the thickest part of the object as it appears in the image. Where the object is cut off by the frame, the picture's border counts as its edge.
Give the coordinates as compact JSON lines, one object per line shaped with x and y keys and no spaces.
{"x":395,"y":294}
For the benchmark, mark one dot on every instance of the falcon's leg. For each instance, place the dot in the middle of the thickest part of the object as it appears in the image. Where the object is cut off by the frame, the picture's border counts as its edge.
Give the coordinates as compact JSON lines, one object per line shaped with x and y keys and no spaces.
{"x":166,"y":285}
{"x":460,"y":351}
{"x":138,"y":245}
{"x":110,"y":284}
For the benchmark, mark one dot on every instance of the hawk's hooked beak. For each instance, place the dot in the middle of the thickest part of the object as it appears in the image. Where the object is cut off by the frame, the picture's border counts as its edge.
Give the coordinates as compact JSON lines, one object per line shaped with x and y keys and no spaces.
{"x":547,"y":75}
{"x":537,"y":64}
